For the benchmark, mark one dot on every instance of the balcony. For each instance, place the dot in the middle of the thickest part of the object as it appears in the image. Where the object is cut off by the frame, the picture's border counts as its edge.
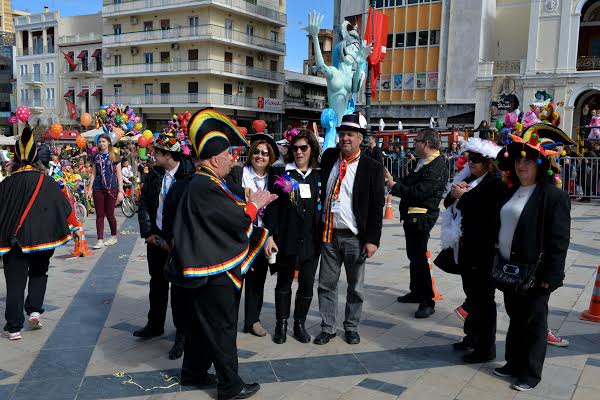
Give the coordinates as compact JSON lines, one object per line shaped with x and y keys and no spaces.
{"x":588,"y":63}
{"x":112,"y":8}
{"x":80,"y":38}
{"x":38,"y":105}
{"x":36,"y":79}
{"x":199,"y":100}
{"x":193,"y":67}
{"x":194,"y":33}
{"x":36,"y":19}
{"x":34,"y":51}
{"x":90,"y":68}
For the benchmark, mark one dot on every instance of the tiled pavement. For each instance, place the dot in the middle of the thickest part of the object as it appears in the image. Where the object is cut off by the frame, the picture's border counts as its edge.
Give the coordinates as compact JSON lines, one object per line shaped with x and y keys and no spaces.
{"x":94,"y":303}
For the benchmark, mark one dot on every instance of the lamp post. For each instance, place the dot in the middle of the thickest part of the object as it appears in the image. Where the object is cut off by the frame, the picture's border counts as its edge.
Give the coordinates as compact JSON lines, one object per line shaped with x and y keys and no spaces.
{"x":368,"y":92}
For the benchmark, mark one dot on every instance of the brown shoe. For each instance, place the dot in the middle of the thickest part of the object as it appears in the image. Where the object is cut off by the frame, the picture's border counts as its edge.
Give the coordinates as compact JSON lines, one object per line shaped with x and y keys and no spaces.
{"x":258,"y":330}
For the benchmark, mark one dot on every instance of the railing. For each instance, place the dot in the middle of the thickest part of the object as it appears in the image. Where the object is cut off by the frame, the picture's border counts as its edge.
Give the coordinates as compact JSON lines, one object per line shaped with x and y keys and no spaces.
{"x":32,"y":51}
{"x":195,"y":32}
{"x":580,"y":176}
{"x":169,"y":99}
{"x":194,"y":66}
{"x":80,"y":37}
{"x":512,"y":67}
{"x":38,"y":103}
{"x":91,"y":67}
{"x":36,"y":78}
{"x":588,"y":63}
{"x":401,"y":166}
{"x":130,"y":7}
{"x":36,"y":18}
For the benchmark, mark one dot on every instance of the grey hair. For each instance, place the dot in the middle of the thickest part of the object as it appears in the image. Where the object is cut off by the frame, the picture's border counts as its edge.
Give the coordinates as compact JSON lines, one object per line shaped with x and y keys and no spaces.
{"x":431,"y":137}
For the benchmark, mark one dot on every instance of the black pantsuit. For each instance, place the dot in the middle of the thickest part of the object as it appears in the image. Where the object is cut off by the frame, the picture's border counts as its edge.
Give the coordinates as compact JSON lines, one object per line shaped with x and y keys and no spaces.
{"x":22,"y":270}
{"x":480,"y":325}
{"x":527,"y":333}
{"x":159,"y":292}
{"x":417,"y":237}
{"x":254,"y":286}
{"x":210,"y":336}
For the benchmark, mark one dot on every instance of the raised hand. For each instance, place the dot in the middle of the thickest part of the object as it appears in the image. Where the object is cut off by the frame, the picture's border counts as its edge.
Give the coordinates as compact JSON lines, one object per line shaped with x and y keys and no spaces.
{"x":314,"y":23}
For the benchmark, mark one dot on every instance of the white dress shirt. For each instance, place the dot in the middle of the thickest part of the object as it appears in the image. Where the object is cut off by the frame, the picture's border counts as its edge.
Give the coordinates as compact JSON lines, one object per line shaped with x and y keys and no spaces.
{"x":167,"y":182}
{"x":253,"y":182}
{"x":344,"y":219}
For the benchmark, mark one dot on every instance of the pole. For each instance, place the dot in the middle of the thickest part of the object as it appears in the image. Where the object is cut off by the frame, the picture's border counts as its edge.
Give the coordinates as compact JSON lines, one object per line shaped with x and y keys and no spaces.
{"x":336,"y":20}
{"x":368,"y":92}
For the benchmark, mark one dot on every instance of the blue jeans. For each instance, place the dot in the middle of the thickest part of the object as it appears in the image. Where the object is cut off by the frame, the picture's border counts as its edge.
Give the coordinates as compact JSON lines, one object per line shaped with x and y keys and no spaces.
{"x":345,"y":248}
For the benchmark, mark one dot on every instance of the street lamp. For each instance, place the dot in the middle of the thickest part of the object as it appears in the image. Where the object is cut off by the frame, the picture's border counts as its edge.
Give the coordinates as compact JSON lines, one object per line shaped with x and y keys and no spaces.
{"x":368,"y":92}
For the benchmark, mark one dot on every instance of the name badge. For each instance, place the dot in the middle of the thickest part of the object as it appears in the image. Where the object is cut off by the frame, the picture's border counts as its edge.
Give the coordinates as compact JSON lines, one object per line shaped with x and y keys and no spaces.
{"x":335,"y":207}
{"x":305,"y":191}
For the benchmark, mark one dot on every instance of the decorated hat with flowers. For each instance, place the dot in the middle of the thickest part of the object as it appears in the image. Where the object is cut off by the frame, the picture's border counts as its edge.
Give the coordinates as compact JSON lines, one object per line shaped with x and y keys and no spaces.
{"x":168,"y":142}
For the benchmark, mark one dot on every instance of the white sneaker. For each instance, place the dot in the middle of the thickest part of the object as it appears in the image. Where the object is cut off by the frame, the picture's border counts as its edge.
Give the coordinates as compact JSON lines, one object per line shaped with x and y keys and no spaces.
{"x":35,"y":321}
{"x":111,"y":241}
{"x":99,"y":244}
{"x":12,"y":336}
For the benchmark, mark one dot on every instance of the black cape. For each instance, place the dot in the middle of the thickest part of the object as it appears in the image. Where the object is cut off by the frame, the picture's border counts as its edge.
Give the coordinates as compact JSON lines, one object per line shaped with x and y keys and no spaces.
{"x":45,"y":227}
{"x":212,"y":232}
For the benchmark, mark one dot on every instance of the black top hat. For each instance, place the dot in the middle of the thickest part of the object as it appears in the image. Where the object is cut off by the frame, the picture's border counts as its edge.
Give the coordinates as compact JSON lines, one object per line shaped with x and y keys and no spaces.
{"x":352,"y":122}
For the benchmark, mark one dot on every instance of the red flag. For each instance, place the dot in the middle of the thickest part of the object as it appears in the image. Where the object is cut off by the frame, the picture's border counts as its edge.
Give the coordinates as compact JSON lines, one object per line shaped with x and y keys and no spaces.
{"x":380,"y":21}
{"x":69,"y":60}
{"x":72,"y":109}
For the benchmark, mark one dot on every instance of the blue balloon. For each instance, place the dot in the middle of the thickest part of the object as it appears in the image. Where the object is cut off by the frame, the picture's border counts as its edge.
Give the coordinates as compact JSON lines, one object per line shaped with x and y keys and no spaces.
{"x":96,"y":138}
{"x":156,"y":134}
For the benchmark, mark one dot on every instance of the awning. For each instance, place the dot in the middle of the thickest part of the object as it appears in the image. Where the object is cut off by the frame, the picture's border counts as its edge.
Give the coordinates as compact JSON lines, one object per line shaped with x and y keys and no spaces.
{"x":97,"y":92}
{"x":69,"y":58}
{"x":83,"y":54}
{"x":97,"y":53}
{"x":69,"y":93}
{"x":83,"y":93}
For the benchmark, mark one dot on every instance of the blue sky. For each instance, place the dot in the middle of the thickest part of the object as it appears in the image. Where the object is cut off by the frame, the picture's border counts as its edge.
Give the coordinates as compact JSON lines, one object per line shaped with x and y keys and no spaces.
{"x":297,"y":10}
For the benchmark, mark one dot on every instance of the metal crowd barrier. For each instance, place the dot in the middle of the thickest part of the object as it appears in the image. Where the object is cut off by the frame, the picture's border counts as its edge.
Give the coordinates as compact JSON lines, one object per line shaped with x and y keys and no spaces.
{"x":581,"y":176}
{"x":402,"y":166}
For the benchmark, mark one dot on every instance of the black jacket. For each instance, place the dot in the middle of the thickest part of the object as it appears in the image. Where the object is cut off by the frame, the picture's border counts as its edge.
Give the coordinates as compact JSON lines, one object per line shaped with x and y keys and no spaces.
{"x":480,"y":222}
{"x":424,"y":189}
{"x":375,"y":153}
{"x":550,"y":235}
{"x":43,"y":154}
{"x":182,"y":178}
{"x":150,"y":194}
{"x":296,"y":226}
{"x":368,"y":194}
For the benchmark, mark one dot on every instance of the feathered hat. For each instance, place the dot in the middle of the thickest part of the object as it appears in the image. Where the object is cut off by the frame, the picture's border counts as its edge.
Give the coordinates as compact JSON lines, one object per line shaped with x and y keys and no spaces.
{"x":484,"y":147}
{"x":25,"y":149}
{"x":212,"y":133}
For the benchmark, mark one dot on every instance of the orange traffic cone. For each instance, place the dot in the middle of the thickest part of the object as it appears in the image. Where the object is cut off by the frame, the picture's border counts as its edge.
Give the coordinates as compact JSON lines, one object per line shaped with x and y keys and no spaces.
{"x":296,"y":274}
{"x":593,"y":313}
{"x":389,"y":211}
{"x":437,"y":295}
{"x":85,"y":250}
{"x":77,"y":250}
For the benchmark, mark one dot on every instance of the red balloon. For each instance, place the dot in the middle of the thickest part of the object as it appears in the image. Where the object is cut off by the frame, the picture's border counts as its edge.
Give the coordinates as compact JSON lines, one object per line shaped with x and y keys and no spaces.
{"x":142,"y":141}
{"x":243,"y":130}
{"x":259,"y":125}
{"x":234,"y":122}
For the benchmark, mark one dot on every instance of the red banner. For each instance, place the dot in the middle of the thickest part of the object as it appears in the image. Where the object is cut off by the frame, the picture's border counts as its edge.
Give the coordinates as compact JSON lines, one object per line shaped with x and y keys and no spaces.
{"x":378,"y":37}
{"x":72,"y":109}
{"x":70,"y":60}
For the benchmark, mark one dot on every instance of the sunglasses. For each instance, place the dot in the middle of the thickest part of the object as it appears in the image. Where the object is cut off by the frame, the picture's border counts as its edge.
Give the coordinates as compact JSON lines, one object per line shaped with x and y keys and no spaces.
{"x":303,"y":148}
{"x":261,"y":153}
{"x":476,"y":158}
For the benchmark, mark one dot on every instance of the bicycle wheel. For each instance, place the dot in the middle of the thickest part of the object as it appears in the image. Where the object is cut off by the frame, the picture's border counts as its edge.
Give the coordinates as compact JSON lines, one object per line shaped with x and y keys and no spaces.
{"x":128,"y":207}
{"x":80,"y":212}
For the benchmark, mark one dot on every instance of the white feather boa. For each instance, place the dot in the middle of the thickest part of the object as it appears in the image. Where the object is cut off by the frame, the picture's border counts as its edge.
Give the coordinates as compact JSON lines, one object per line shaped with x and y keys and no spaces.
{"x":452,"y":219}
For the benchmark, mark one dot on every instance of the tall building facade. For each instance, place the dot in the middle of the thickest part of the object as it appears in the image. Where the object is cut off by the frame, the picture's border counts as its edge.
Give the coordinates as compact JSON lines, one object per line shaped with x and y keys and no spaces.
{"x":7,"y":42}
{"x":164,"y":58}
{"x":326,"y":45}
{"x":305,"y":99}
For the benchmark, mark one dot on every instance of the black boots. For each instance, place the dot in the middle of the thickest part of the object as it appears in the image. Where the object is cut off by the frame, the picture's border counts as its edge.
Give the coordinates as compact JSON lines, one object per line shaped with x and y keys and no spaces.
{"x":282,"y":313}
{"x":300,"y":311}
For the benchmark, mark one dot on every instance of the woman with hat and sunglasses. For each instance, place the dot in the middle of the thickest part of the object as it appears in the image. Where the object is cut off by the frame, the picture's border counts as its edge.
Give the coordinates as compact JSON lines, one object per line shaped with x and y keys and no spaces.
{"x":534,"y":230}
{"x":293,"y":221}
{"x":475,"y":197}
{"x":256,"y":175}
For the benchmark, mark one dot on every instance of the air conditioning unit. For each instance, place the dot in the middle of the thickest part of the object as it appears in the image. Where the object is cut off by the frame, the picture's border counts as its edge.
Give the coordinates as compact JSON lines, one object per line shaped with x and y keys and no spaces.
{"x":134,"y":20}
{"x":261,"y":57}
{"x":175,"y":46}
{"x":240,"y":87}
{"x":107,"y":55}
{"x":134,"y":51}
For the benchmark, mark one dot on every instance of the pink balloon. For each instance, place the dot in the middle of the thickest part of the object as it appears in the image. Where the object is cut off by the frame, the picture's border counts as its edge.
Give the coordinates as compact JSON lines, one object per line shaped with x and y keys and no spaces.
{"x":23,"y":113}
{"x":12,"y":119}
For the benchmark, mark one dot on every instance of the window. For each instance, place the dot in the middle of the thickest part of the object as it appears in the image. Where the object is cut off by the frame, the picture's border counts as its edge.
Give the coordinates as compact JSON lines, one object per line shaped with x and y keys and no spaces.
{"x":249,"y":91}
{"x":165,"y":57}
{"x":147,"y":26}
{"x":274,"y":36}
{"x":228,"y":93}
{"x":379,"y":4}
{"x":249,"y":62}
{"x":23,"y":69}
{"x":412,"y":1}
{"x":194,"y":23}
{"x":423,"y":38}
{"x":400,"y":40}
{"x":50,"y":93}
{"x":118,"y":89}
{"x":411,"y":39}
{"x":148,"y":58}
{"x":50,"y":68}
{"x":117,"y":58}
{"x":37,"y":73}
{"x":273,"y":65}
{"x":193,"y":92}
{"x":273,"y":92}
{"x":434,"y":38}
{"x":148,"y":93}
{"x":390,"y":41}
{"x":249,"y":30}
{"x":228,"y":28}
{"x":165,"y":91}
{"x":24,"y":94}
{"x":116,"y":29}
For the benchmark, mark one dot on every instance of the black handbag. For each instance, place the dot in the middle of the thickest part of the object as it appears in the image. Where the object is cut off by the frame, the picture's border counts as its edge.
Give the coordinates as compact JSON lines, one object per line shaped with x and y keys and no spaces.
{"x":514,"y":278}
{"x":445,"y":262}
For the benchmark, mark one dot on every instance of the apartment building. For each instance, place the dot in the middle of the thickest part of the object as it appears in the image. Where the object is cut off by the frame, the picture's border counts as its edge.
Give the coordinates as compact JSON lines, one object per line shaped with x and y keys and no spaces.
{"x":305,"y":99}
{"x":326,"y":44}
{"x":7,"y":43}
{"x":164,"y":58}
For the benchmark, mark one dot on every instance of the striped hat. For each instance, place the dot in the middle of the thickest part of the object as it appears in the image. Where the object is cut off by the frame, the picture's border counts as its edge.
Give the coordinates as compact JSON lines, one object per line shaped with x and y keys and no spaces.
{"x":211,"y":133}
{"x":25,"y":149}
{"x":354,"y":122}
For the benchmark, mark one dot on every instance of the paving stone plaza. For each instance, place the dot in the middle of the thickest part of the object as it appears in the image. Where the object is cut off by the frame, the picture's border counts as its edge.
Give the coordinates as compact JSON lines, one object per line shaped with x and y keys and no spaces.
{"x":86,"y":350}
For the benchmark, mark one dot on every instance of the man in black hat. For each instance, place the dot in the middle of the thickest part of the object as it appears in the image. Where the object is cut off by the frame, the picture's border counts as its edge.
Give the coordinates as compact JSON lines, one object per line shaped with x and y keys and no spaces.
{"x":170,"y":168}
{"x":215,"y":243}
{"x":354,"y":196}
{"x":421,"y":192}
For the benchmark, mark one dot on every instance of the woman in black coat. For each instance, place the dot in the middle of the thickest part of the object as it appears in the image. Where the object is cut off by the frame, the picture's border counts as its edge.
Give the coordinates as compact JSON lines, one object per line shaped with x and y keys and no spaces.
{"x":474,"y":200}
{"x":293,"y":220}
{"x":535,"y":227}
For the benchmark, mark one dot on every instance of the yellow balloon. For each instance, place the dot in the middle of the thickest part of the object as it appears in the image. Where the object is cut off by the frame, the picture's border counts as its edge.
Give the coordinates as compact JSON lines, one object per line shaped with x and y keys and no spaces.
{"x":138,"y":126}
{"x":148,"y":134}
{"x":124,"y":118}
{"x":117,"y":151}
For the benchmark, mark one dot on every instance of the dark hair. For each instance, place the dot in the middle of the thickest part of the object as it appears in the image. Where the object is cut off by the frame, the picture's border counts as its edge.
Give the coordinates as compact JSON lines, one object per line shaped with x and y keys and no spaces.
{"x":315,"y":150}
{"x":431,"y":137}
{"x":540,"y":178}
{"x":124,"y":159}
{"x":176,"y":156}
{"x":254,"y":145}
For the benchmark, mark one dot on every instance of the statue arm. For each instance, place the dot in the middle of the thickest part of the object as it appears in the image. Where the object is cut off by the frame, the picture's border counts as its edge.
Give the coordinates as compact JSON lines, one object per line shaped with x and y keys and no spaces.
{"x":314,"y":25}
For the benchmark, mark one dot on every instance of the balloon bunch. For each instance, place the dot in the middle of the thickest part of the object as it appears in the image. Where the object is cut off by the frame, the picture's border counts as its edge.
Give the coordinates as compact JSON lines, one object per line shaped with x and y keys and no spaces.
{"x":119,"y":119}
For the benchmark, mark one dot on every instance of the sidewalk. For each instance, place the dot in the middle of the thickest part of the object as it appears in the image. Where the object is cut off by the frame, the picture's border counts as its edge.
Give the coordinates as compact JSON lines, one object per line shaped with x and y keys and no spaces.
{"x":94,"y":304}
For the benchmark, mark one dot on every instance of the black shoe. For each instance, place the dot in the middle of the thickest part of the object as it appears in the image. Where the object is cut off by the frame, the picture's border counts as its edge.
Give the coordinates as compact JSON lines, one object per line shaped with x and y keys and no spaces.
{"x":324,"y":338}
{"x":203,"y":381}
{"x":465,"y":345}
{"x":505,"y":372}
{"x":177,"y":349}
{"x":148,"y":332}
{"x":248,"y":390}
{"x":585,"y":200}
{"x":300,"y":332}
{"x":477,"y":357}
{"x":425,"y":310}
{"x":352,"y":337}
{"x":280,"y":335}
{"x":409,"y":298}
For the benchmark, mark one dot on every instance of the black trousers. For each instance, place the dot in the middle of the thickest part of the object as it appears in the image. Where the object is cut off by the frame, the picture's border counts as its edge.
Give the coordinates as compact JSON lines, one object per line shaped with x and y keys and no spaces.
{"x":254,"y":286}
{"x":159,"y":292}
{"x":527,"y":333}
{"x":417,"y":238}
{"x":307,"y":270}
{"x":18,"y":269}
{"x":480,"y":325}
{"x":211,"y":332}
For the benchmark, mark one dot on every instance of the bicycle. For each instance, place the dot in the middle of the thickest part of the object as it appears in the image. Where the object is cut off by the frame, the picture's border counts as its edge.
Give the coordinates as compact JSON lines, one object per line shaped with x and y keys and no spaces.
{"x":129,"y":205}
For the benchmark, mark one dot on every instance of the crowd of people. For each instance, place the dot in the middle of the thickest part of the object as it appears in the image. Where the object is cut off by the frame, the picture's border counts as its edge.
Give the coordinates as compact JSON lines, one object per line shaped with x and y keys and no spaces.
{"x":214,"y":228}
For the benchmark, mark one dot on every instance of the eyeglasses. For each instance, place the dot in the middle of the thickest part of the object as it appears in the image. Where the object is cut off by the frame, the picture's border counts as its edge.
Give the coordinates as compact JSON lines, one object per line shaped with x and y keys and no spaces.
{"x":263,"y":153}
{"x":303,"y":148}
{"x":476,"y":158}
{"x":420,"y":141}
